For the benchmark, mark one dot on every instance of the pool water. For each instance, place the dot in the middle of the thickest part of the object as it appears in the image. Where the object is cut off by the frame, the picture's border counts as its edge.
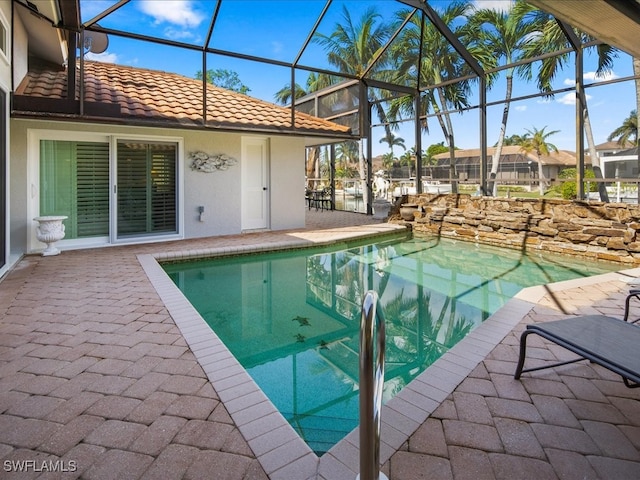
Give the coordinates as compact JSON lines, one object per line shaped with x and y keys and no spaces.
{"x":292,"y":318}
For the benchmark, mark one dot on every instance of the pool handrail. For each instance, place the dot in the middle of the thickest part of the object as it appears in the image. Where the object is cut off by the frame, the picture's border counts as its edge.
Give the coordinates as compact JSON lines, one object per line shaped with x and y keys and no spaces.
{"x":371,"y":385}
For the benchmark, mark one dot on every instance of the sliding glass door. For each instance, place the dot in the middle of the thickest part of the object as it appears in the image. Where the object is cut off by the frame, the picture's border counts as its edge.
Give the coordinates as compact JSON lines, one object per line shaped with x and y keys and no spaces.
{"x":146,"y":188}
{"x":109,"y":190}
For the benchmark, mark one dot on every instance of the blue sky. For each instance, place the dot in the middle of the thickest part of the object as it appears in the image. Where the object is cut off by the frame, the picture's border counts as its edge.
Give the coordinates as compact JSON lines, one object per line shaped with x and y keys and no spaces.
{"x":278,"y":29}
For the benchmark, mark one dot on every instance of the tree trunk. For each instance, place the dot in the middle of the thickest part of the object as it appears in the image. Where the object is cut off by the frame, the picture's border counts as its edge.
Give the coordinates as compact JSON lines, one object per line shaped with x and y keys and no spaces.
{"x":495,"y":161}
{"x":593,"y":154}
{"x":312,"y":162}
{"x":541,"y":179}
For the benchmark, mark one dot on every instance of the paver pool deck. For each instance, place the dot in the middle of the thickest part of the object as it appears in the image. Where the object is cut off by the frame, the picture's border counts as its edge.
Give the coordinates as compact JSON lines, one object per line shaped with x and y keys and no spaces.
{"x":107,"y":373}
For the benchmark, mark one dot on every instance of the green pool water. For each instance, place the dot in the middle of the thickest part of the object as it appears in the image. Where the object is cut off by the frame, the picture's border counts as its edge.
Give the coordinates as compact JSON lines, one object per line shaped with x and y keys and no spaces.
{"x":292,"y":318}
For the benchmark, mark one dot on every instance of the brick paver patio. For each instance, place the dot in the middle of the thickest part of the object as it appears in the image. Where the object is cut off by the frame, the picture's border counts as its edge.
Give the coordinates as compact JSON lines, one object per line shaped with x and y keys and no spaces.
{"x":97,"y":380}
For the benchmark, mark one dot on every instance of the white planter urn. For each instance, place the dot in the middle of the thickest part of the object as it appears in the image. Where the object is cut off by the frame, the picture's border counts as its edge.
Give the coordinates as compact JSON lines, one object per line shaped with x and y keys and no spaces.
{"x":50,"y":229}
{"x":381,"y":208}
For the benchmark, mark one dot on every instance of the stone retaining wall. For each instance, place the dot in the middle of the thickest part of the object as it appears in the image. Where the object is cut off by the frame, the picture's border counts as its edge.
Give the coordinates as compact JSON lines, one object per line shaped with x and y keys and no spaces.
{"x":607,"y":231}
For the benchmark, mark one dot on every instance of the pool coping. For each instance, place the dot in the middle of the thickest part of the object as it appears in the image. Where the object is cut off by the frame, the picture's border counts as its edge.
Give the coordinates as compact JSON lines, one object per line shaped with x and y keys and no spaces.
{"x":282,"y":453}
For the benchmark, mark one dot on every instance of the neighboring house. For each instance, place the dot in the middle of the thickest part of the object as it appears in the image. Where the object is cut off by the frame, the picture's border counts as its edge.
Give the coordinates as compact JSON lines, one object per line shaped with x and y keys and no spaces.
{"x":128,"y":157}
{"x":618,"y":160}
{"x":611,"y":148}
{"x":515,"y":164}
{"x":621,"y":164}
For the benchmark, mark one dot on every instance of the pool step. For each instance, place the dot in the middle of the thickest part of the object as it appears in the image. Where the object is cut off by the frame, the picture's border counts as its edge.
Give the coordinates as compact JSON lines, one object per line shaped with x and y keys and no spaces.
{"x":320,"y":438}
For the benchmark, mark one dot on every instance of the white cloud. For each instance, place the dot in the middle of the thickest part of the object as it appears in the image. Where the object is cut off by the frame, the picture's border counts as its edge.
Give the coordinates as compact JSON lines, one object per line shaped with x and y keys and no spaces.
{"x":520,"y":108}
{"x":102,"y":57}
{"x":498,"y":5}
{"x":567,"y":99}
{"x":178,"y":34}
{"x":570,"y":98}
{"x":591,"y":76}
{"x":600,"y":78}
{"x":176,"y":12}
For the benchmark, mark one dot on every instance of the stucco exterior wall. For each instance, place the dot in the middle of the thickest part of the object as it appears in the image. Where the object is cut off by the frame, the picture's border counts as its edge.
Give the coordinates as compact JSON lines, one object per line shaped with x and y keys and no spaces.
{"x":606,"y":231}
{"x":218,"y":192}
{"x":287,"y":183}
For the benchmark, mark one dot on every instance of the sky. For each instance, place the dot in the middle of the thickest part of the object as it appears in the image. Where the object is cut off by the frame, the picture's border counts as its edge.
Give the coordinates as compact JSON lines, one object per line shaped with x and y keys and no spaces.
{"x":278,"y":29}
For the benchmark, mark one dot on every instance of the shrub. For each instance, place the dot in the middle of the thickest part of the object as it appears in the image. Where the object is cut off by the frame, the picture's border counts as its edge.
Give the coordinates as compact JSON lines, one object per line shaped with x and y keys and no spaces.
{"x":568,"y":189}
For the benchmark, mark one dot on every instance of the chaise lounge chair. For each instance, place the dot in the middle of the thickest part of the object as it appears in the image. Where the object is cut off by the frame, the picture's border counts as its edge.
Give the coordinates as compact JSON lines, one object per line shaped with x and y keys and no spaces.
{"x":607,"y":341}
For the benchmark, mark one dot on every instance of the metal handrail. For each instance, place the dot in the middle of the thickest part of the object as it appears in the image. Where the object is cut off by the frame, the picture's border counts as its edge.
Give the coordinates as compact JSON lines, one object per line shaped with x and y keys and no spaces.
{"x":371,"y":385}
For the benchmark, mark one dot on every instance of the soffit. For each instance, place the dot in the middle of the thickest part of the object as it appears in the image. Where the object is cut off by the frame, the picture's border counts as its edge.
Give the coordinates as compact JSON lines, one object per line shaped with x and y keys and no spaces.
{"x":615,"y":22}
{"x":44,"y":42}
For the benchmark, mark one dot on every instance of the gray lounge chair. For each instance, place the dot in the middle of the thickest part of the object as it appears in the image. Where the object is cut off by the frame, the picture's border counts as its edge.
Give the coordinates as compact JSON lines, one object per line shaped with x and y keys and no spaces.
{"x":606,"y":341}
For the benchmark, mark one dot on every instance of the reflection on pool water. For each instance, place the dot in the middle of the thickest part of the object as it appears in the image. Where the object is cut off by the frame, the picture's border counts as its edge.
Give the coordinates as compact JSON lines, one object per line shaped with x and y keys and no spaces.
{"x":292,"y":318}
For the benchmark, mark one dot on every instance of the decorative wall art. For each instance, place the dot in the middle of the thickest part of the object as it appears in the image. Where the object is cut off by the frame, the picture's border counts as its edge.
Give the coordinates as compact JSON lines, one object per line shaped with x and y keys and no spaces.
{"x":203,"y":162}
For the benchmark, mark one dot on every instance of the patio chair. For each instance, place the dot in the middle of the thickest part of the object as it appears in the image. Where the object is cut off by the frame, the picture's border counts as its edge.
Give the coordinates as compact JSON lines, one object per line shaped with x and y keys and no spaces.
{"x":325,"y":199}
{"x":308,"y":196}
{"x":633,"y":293}
{"x":607,"y":341}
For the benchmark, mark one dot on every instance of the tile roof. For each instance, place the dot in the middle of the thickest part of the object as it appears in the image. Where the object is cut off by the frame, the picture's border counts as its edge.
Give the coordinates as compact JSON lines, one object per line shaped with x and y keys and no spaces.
{"x":614,"y":145}
{"x":561,"y":157}
{"x":164,"y":97}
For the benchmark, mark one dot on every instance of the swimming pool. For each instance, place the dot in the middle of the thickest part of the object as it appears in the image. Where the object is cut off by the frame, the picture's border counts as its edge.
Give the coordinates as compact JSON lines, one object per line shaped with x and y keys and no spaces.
{"x":291,"y":318}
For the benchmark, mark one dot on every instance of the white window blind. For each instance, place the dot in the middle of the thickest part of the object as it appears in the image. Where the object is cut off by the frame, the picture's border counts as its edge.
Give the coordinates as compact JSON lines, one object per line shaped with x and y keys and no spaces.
{"x":74,"y":181}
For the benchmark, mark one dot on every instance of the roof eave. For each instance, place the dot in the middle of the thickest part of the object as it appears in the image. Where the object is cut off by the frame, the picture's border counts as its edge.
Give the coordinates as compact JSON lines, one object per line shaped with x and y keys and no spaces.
{"x":185,"y":125}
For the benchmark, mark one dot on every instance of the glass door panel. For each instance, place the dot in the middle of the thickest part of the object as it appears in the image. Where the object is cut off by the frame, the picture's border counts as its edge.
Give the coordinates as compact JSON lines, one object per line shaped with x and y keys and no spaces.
{"x":74,"y":181}
{"x":146,"y":188}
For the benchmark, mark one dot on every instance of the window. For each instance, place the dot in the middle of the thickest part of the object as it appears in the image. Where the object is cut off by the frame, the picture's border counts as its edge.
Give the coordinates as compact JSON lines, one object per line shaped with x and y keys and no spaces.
{"x":3,"y":37}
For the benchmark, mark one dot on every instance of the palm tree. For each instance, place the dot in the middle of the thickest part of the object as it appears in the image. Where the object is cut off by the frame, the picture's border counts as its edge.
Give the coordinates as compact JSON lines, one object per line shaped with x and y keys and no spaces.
{"x":513,"y":140}
{"x":284,"y":96}
{"x":387,"y":160}
{"x":551,"y":38}
{"x":628,"y":131}
{"x":407,"y":159}
{"x":504,"y":36}
{"x":422,"y":44}
{"x":352,"y":48}
{"x":347,"y":152}
{"x":536,"y":141}
{"x":391,"y":140}
{"x":314,"y":83}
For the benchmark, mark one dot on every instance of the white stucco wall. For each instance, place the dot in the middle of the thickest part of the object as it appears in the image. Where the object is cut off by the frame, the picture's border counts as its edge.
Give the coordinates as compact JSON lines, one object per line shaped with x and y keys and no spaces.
{"x":218,"y":192}
{"x":287,"y":182}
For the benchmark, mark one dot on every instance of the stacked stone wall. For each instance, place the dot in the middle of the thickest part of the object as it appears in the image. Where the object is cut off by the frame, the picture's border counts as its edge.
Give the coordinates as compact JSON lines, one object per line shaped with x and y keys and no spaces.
{"x":607,"y":231}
